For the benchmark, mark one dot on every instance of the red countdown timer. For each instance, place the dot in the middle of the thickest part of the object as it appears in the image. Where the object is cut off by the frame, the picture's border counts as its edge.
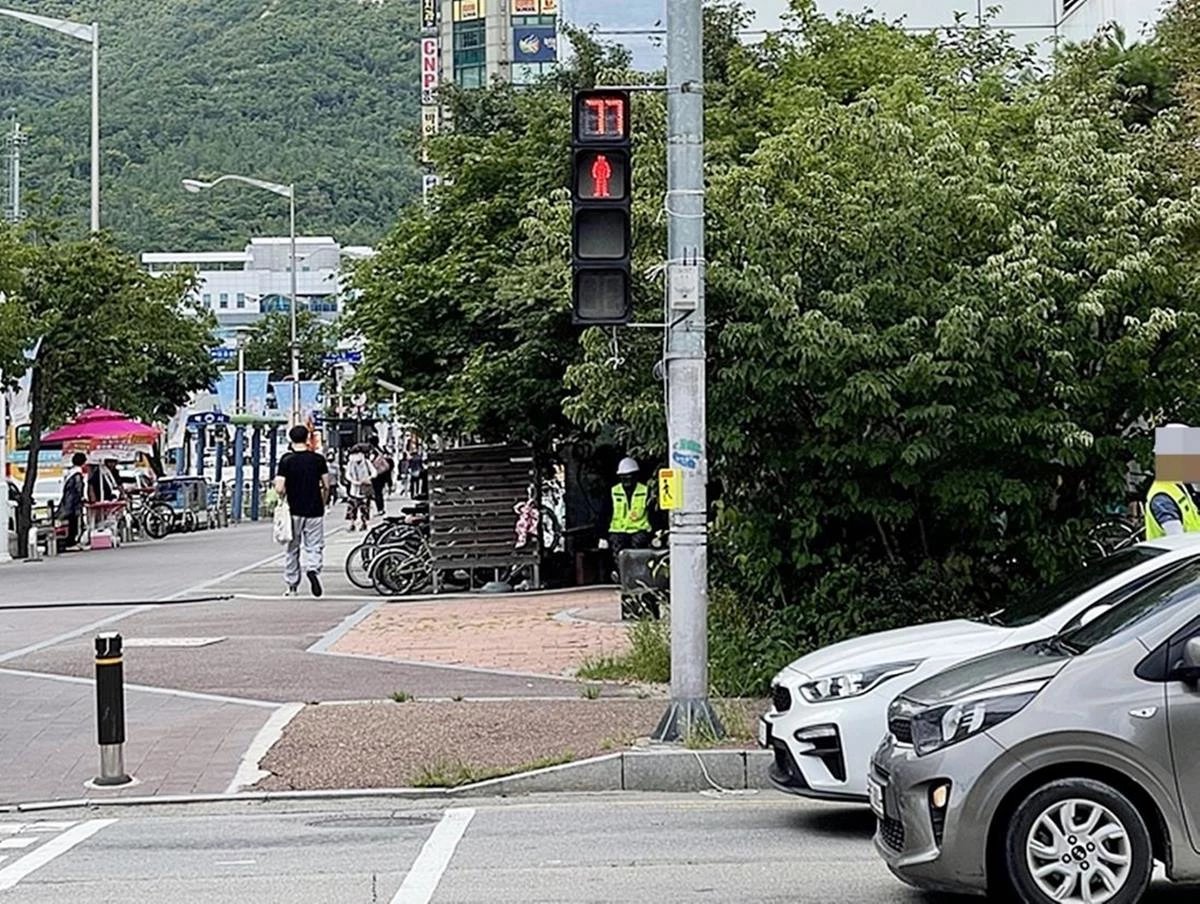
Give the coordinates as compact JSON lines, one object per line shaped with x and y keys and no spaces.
{"x":602,"y":117}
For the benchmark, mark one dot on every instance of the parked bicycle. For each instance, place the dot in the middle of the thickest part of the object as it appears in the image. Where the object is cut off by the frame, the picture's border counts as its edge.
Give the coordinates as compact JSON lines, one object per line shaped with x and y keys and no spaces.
{"x":398,"y":536}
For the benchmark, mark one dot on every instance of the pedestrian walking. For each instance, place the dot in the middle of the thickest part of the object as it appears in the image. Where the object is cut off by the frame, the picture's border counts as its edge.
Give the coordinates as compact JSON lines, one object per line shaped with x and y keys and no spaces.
{"x":303,"y":480}
{"x":382,"y":467}
{"x":416,"y":471}
{"x":70,"y":507}
{"x":359,"y":487}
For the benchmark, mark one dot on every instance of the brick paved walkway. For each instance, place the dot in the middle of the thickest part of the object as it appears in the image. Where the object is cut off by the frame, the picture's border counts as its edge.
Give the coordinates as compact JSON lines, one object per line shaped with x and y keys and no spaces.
{"x":545,"y":634}
{"x":176,"y":745}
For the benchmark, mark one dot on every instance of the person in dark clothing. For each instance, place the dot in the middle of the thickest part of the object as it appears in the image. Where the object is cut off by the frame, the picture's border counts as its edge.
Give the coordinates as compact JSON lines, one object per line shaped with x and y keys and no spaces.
{"x":70,"y":507}
{"x":416,"y":471}
{"x":303,"y":479}
{"x":382,"y":467}
{"x":104,"y":482}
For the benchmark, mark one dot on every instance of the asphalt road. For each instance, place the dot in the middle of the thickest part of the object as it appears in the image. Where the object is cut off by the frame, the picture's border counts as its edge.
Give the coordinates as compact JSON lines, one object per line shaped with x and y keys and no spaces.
{"x":563,"y":849}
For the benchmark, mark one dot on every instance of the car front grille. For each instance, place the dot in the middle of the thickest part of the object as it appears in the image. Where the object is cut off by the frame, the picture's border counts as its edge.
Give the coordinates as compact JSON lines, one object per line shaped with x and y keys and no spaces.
{"x":891,"y":833}
{"x":781,"y":698}
{"x":901,"y":729}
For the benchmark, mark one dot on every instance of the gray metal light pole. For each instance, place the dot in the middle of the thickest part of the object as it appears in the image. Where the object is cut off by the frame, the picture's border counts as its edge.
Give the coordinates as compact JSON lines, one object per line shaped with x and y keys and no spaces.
{"x":91,"y":34}
{"x":289,"y":192}
{"x":16,"y":140}
{"x":690,"y":709}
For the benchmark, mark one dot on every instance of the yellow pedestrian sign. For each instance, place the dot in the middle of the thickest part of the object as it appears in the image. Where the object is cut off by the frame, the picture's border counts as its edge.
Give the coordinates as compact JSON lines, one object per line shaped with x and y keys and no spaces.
{"x":670,"y":488}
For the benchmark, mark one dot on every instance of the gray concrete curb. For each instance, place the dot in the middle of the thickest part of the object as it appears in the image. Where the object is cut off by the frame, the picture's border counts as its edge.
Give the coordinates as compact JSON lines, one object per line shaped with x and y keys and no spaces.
{"x":665,"y":770}
{"x":639,"y":770}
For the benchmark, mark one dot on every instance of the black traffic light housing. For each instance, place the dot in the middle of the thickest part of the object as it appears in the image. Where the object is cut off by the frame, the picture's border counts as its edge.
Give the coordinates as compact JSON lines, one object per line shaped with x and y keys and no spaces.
{"x":601,"y":208}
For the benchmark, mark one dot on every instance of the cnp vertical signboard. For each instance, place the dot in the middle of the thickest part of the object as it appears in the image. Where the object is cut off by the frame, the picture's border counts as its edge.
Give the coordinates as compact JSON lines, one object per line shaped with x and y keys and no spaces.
{"x":429,"y":71}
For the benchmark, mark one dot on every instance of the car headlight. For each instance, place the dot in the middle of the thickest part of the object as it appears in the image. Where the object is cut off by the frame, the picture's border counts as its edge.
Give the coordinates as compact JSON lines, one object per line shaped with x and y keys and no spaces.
{"x":941,"y":726}
{"x":853,"y":684}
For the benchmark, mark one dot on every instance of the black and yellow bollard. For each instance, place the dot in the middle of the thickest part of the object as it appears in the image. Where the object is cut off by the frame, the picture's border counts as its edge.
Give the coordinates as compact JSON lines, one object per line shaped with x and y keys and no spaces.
{"x":110,"y":710}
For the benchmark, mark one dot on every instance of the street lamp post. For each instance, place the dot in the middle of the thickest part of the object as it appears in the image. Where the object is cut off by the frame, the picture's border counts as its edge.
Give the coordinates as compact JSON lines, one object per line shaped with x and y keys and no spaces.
{"x":5,"y":555}
{"x":287,"y":191}
{"x":91,"y":34}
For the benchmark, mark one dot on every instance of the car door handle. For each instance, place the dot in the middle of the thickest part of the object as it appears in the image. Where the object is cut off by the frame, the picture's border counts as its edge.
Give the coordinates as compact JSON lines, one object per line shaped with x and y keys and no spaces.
{"x":1146,"y":712}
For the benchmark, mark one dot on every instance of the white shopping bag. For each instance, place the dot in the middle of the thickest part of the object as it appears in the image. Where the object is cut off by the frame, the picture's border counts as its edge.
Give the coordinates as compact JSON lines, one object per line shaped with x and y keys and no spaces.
{"x":283,"y":522}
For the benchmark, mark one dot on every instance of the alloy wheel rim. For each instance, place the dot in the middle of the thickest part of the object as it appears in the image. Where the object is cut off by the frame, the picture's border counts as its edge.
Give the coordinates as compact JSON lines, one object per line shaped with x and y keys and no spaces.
{"x":1078,"y":852}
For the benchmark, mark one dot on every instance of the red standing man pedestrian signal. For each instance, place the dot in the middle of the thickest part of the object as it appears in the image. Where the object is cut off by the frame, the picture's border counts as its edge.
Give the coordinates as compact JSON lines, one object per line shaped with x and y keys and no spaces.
{"x":601,"y":175}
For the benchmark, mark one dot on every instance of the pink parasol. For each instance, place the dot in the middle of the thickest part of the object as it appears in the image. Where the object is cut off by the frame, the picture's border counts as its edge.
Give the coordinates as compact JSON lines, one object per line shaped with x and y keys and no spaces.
{"x":100,"y":426}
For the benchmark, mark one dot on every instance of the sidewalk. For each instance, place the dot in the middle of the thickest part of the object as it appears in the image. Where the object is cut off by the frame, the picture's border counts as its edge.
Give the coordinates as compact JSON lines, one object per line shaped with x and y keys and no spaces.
{"x":551,"y":634}
{"x":177,"y":745}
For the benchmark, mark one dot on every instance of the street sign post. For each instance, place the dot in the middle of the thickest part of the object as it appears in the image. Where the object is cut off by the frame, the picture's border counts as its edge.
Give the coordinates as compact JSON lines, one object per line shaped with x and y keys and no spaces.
{"x":349,"y":356}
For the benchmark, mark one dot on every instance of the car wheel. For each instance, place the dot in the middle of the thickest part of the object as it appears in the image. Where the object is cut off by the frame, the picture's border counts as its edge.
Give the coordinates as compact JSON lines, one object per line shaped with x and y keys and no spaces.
{"x":1078,"y":841}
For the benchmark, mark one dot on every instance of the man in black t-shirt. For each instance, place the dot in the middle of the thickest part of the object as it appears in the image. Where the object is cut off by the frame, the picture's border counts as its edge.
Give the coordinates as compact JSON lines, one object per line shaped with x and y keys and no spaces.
{"x":303,"y":480}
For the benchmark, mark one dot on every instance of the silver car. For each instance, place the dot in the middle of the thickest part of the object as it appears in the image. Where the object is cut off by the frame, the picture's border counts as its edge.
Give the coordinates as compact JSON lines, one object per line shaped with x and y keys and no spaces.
{"x":1057,"y":771}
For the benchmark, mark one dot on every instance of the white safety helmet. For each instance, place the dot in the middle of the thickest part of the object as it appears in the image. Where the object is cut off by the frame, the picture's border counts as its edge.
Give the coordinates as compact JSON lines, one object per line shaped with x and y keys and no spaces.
{"x":626,"y":467}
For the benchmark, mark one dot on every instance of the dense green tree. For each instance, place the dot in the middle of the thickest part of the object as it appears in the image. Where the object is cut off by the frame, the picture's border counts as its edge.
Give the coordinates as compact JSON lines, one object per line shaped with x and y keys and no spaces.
{"x":107,"y":334}
{"x":322,"y":94}
{"x":269,"y":344}
{"x":950,"y":294}
{"x":465,"y":306}
{"x":948,"y":301}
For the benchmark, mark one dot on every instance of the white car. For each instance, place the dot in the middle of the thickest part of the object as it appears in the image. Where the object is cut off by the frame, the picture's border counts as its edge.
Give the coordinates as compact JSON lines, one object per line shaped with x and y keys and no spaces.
{"x":829,"y":708}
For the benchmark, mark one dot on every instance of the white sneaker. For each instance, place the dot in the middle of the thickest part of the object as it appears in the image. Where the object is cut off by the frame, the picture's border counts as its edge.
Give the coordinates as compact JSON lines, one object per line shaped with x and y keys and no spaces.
{"x":291,"y":591}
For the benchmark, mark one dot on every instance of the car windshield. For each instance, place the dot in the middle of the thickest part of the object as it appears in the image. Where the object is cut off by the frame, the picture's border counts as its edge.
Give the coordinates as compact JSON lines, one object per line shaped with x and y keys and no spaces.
{"x":1041,"y":603}
{"x":1178,"y":588}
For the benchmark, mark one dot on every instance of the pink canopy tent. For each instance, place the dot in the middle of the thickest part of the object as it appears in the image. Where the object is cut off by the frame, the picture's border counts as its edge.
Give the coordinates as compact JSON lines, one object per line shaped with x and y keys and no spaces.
{"x":103,"y":433}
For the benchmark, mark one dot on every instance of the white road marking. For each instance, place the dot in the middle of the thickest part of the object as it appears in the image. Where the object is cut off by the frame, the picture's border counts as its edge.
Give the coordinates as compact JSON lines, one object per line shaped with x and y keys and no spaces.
{"x":145,"y":688}
{"x":422,"y":880}
{"x":56,"y":846}
{"x":234,"y":862}
{"x":248,"y":772}
{"x":11,"y":828}
{"x":9,"y":844}
{"x":71,"y":635}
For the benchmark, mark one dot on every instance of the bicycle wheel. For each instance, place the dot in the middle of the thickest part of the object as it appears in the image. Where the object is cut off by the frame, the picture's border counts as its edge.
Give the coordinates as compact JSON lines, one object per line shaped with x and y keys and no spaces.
{"x":358,"y":566}
{"x":399,"y":571}
{"x":157,"y":521}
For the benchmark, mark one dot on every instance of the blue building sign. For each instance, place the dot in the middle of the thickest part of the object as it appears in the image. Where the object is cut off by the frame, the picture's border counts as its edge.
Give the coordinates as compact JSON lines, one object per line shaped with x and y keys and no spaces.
{"x":535,"y":44}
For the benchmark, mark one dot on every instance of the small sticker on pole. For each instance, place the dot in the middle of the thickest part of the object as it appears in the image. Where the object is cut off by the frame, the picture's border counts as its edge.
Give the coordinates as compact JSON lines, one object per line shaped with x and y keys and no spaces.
{"x":670,"y":488}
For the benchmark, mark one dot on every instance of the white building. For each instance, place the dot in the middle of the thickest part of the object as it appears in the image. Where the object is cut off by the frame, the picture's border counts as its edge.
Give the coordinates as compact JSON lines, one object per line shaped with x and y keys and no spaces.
{"x":239,"y":287}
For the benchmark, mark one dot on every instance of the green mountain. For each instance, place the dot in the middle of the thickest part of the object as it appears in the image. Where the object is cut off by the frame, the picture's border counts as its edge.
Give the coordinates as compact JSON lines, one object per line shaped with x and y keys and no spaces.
{"x":320,"y":92}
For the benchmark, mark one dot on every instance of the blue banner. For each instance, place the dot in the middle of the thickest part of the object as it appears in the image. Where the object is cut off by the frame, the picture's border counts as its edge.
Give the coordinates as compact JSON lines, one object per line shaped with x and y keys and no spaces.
{"x":535,"y":44}
{"x":226,"y":391}
{"x":310,"y":397}
{"x":256,"y":392}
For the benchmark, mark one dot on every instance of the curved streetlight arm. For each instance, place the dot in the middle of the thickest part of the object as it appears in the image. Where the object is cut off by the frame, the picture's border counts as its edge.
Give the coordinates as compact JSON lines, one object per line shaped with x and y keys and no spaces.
{"x":196,"y":185}
{"x":63,"y":26}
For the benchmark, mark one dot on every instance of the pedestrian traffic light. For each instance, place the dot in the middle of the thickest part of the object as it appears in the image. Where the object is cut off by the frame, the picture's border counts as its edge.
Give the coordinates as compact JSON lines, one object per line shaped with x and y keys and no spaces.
{"x":602,"y":202}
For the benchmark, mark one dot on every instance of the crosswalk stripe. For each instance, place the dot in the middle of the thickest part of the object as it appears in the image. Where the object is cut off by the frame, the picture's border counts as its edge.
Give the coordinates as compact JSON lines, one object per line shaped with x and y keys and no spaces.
{"x":11,"y":828}
{"x":41,"y":855}
{"x":10,"y":843}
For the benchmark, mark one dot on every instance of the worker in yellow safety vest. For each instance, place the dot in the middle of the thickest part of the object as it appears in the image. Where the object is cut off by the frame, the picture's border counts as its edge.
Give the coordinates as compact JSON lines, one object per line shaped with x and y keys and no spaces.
{"x":1171,"y":509}
{"x":629,"y":527}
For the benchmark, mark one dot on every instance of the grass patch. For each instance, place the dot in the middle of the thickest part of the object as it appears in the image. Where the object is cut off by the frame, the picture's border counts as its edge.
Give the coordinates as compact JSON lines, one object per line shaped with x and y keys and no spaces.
{"x":402,"y":696}
{"x":444,"y":774}
{"x":591,"y":692}
{"x":648,"y":658}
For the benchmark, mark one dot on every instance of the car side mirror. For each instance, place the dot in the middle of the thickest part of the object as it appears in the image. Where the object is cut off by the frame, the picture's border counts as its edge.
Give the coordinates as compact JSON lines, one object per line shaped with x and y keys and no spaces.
{"x":1188,"y":669}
